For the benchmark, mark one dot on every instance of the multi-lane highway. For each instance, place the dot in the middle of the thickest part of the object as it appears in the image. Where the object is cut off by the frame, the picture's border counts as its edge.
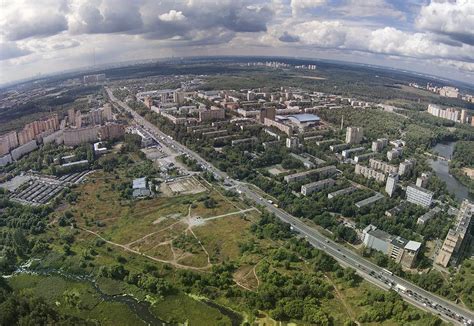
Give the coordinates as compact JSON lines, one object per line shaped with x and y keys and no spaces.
{"x":369,"y":271}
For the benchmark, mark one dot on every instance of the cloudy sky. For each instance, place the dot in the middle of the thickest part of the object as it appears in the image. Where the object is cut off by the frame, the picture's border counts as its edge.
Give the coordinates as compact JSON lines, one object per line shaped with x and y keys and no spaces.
{"x":45,"y":36}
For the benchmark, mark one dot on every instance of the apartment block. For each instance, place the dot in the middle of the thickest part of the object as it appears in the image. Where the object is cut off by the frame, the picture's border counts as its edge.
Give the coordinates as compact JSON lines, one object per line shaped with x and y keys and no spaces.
{"x":383,"y":166}
{"x":419,"y":196}
{"x":391,"y":184}
{"x":354,"y":135}
{"x":457,"y":237}
{"x":309,"y":188}
{"x":369,"y":173}
{"x":320,"y":172}
{"x":379,"y":144}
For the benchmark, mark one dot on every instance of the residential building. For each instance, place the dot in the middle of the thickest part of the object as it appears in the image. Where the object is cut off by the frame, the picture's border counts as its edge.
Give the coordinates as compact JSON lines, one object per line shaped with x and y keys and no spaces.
{"x":292,"y":142}
{"x":369,"y":201}
{"x":341,"y":192}
{"x":309,"y":188}
{"x":383,"y":166}
{"x":214,"y":113}
{"x":457,"y":237}
{"x":419,"y":196}
{"x":24,"y":149}
{"x":347,"y":153}
{"x":354,"y":135}
{"x":422,"y":181}
{"x":406,"y":167}
{"x":369,"y":173}
{"x":363,"y":157}
{"x":320,"y":172}
{"x":379,"y":144}
{"x":394,"y":153}
{"x":391,"y":184}
{"x":8,"y":141}
{"x":268,"y":113}
{"x":74,"y":137}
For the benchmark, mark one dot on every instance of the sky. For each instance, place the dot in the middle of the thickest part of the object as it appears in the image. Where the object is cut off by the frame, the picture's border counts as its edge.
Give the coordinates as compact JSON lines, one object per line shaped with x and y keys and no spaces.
{"x":48,"y":36}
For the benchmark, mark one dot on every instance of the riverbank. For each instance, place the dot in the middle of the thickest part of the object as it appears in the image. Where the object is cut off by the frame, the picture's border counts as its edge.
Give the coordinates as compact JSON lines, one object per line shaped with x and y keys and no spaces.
{"x":442,"y":170}
{"x":104,"y":301}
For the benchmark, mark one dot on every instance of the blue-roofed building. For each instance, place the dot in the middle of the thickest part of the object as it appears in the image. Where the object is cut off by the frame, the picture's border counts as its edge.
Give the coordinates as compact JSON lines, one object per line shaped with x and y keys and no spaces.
{"x":304,"y":120}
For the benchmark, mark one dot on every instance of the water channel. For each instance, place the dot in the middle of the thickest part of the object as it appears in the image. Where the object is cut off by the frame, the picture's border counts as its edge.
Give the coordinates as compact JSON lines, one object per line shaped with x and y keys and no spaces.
{"x":441,"y":168}
{"x":140,"y":308}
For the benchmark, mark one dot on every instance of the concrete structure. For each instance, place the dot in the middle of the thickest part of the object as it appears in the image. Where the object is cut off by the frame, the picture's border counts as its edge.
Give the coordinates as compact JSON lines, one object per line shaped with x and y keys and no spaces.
{"x":449,"y":113}
{"x":111,"y":131}
{"x":403,"y":251}
{"x":363,"y":157}
{"x":383,"y":166}
{"x":375,"y":238}
{"x":338,"y":147}
{"x":306,"y":162}
{"x":292,"y":142}
{"x":419,"y":196}
{"x":281,"y":126}
{"x":304,"y":121}
{"x":8,"y":141}
{"x":448,"y":91}
{"x":354,"y":135}
{"x":140,"y":188}
{"x":5,"y":159}
{"x":74,"y":137}
{"x":57,"y":137}
{"x":394,"y":153}
{"x":321,"y":173}
{"x":369,"y":201}
{"x":457,"y":237}
{"x":341,"y":192}
{"x":428,"y":215}
{"x":24,"y":149}
{"x":422,"y":181}
{"x":268,"y":113}
{"x":391,"y":184}
{"x":406,"y":167}
{"x":213,"y":114}
{"x":309,"y":188}
{"x":379,"y":144}
{"x":397,"y":248}
{"x":98,"y":149}
{"x":369,"y":173}
{"x":347,"y":153}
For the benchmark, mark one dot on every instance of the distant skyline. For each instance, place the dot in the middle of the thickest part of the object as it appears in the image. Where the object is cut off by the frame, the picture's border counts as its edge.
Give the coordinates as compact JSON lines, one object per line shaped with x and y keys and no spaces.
{"x":47,"y":36}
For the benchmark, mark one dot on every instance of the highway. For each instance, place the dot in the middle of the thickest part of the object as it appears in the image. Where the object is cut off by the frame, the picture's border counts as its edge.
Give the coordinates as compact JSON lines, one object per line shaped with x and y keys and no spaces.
{"x":409,"y":292}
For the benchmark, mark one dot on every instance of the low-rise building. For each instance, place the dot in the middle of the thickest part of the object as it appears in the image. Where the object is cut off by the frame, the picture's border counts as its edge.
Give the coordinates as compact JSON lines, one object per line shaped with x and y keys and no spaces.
{"x":341,"y":192}
{"x":347,"y":153}
{"x":399,"y":249}
{"x":320,"y":172}
{"x":309,"y":188}
{"x":140,"y":188}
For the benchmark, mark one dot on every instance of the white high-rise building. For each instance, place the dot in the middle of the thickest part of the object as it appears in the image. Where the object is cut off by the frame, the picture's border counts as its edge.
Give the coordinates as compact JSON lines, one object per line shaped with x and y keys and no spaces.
{"x":391,"y":184}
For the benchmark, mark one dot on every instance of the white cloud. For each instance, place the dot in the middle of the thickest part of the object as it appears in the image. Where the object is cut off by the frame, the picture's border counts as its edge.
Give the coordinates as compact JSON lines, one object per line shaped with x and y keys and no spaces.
{"x":369,"y":8}
{"x":454,"y":18}
{"x":172,"y":15}
{"x":298,"y":6}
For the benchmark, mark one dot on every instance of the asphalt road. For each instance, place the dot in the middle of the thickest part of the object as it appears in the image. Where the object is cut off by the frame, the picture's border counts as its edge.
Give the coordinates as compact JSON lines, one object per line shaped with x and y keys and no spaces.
{"x":411,"y":293}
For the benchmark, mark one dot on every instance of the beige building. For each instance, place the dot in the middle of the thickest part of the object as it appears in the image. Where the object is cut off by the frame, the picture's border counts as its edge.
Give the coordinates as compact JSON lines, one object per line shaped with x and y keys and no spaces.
{"x":214,"y":113}
{"x":383,"y":166}
{"x":8,"y":141}
{"x":369,"y":173}
{"x":354,"y":135}
{"x":457,"y":237}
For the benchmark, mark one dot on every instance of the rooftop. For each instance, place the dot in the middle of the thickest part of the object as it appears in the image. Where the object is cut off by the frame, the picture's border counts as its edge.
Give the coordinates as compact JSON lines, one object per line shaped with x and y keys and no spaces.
{"x":305,"y":117}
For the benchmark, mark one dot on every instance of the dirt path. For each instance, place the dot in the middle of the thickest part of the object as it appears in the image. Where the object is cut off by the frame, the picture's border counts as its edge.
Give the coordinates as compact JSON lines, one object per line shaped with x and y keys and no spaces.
{"x":150,"y":234}
{"x":231,"y":213}
{"x":342,"y":299}
{"x":170,"y":262}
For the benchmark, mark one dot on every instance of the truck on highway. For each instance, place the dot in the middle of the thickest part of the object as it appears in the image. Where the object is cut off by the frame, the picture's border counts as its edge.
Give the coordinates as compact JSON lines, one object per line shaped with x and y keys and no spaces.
{"x":400,"y":288}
